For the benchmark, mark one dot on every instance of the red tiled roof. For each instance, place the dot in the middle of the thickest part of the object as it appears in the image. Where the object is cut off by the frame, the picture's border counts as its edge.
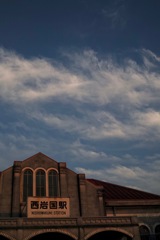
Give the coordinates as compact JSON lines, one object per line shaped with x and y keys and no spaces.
{"x":117,"y":192}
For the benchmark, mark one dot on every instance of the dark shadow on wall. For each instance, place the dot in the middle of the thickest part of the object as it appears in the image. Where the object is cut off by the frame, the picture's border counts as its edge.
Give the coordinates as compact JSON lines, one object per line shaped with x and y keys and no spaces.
{"x":111,"y":235}
{"x":51,"y":236}
{"x":3,"y":238}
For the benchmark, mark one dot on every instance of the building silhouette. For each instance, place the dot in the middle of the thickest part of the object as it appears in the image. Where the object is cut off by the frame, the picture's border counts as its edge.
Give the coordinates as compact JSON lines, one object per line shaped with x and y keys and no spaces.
{"x":43,"y":199}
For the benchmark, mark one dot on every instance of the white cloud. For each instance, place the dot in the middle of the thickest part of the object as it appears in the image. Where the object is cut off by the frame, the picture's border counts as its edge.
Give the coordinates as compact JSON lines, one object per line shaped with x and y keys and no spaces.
{"x":128,"y":173}
{"x":88,"y":79}
{"x":101,"y":102}
{"x":102,"y":125}
{"x":87,"y":155}
{"x":150,"y":118}
{"x":35,"y":79}
{"x":90,"y":173}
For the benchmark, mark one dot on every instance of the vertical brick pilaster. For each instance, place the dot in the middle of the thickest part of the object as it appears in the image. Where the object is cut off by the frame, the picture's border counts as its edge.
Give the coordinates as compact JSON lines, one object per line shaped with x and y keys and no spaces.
{"x":63,"y":180}
{"x":82,"y":193}
{"x":16,"y":189}
{"x":100,"y":193}
{"x":135,"y":229}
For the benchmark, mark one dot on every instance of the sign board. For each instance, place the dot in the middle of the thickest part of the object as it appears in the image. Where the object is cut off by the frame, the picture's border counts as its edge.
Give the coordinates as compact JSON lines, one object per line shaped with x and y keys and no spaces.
{"x":43,"y":207}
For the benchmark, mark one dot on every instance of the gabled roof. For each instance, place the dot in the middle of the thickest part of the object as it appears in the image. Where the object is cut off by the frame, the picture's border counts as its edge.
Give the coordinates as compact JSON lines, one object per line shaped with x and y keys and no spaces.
{"x":117,"y":192}
{"x":39,"y":160}
{"x":38,"y":155}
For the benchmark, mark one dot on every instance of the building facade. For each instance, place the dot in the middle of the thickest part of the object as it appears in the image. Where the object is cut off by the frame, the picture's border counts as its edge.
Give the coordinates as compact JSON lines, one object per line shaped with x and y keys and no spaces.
{"x":43,"y":199}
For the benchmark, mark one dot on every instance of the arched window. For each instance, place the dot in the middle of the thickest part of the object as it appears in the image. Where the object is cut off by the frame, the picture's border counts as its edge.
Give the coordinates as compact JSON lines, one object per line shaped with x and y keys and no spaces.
{"x":144,"y":232}
{"x":40,"y":183}
{"x":27,"y":184}
{"x":53,"y":183}
{"x":157,"y":232}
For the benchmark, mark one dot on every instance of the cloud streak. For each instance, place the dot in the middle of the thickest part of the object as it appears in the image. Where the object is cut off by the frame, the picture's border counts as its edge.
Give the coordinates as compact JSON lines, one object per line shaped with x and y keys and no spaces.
{"x":88,"y":108}
{"x":89,"y":80}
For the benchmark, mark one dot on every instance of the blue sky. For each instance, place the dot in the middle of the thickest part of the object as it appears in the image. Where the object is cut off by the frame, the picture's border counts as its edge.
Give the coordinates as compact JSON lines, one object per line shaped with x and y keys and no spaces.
{"x":80,"y":82}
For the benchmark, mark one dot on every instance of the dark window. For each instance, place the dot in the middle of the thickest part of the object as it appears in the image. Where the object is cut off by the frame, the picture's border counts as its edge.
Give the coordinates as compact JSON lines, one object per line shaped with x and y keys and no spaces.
{"x":27,"y":184}
{"x":144,"y":232}
{"x":53,"y":183}
{"x":157,"y":232}
{"x":40,"y":183}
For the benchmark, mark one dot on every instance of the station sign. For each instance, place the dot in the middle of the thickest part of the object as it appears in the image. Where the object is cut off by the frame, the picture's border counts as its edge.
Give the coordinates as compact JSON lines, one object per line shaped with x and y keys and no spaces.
{"x":43,"y":207}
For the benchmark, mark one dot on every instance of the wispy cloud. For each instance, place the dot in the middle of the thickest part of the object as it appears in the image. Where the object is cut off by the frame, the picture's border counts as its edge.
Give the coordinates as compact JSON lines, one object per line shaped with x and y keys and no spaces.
{"x":88,"y":79}
{"x":92,"y":101}
{"x":116,"y":14}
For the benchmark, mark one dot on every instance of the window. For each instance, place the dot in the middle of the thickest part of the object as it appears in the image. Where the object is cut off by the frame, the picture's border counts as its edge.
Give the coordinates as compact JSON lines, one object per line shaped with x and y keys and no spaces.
{"x":53,"y":183}
{"x":27,"y":184}
{"x":144,"y":232}
{"x":40,"y":183}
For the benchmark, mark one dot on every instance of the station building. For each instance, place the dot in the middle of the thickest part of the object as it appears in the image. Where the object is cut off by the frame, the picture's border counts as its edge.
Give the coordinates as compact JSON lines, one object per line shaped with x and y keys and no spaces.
{"x":41,"y":198}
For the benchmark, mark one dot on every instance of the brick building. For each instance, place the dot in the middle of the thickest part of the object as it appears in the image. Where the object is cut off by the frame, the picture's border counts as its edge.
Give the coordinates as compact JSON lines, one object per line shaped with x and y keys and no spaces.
{"x":43,"y":199}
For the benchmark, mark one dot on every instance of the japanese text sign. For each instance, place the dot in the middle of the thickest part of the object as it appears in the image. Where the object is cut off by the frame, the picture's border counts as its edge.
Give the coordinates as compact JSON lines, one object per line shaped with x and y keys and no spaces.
{"x":43,"y":207}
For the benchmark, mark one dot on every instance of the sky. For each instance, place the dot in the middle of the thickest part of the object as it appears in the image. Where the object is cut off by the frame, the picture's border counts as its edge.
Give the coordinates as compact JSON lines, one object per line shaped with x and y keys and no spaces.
{"x":80,"y":82}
